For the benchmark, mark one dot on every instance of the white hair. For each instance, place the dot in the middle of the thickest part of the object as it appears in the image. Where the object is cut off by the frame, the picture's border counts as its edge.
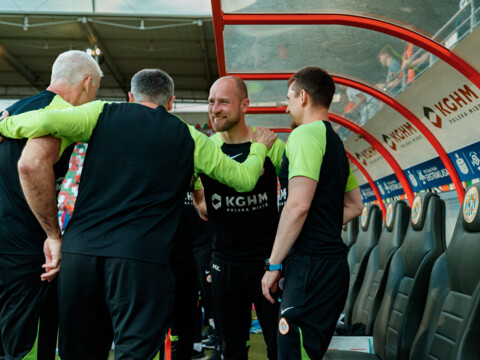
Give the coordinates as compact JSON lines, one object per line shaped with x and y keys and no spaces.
{"x":74,"y":66}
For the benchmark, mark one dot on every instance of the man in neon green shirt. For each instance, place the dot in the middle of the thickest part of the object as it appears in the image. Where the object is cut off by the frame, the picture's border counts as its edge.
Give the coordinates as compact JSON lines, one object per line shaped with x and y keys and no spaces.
{"x":116,"y":248}
{"x":318,"y":195}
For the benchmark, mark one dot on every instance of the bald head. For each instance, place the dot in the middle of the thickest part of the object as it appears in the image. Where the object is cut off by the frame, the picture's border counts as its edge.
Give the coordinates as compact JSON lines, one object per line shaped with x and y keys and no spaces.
{"x":72,"y":67}
{"x":237,"y":85}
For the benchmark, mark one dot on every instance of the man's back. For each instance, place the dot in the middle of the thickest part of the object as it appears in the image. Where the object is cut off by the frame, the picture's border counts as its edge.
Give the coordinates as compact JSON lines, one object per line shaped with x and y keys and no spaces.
{"x":20,"y":233}
{"x":137,"y":170}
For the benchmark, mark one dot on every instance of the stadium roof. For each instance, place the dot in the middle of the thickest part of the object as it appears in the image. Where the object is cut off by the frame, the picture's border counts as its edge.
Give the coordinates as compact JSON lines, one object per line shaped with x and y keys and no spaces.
{"x":130,"y":35}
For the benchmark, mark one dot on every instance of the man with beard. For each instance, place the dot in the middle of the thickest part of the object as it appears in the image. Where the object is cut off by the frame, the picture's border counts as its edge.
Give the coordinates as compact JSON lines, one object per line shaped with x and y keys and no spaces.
{"x":321,"y":195}
{"x":243,"y":225}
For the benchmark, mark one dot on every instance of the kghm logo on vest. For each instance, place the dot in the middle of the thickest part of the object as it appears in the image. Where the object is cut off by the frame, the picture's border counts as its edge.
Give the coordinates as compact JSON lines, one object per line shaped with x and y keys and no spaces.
{"x":240,"y":203}
{"x":389,"y":215}
{"x":470,"y":206}
{"x":416,"y":209}
{"x":453,"y":107}
{"x":400,"y":136}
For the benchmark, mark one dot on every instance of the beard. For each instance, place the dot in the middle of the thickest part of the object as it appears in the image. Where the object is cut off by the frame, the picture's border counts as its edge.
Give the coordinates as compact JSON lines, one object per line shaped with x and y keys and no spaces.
{"x":226,"y":125}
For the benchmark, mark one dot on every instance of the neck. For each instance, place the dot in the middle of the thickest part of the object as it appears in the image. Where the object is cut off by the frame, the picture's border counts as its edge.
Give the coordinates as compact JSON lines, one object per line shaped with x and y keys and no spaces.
{"x":149,"y":104}
{"x":239,"y":134}
{"x":315,"y":114}
{"x":67,"y":93}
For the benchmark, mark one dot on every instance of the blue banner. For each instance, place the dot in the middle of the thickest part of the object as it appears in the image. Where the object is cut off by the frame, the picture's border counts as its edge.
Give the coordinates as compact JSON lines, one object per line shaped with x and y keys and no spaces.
{"x":467,"y":161}
{"x":367,"y":193}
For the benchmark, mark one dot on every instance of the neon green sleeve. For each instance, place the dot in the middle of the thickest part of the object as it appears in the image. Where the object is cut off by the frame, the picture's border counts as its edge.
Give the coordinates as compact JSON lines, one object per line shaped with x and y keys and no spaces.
{"x":352,"y":182}
{"x":209,"y":159}
{"x":198,"y":184}
{"x":71,"y":125}
{"x":305,"y":150}
{"x":275,"y":153}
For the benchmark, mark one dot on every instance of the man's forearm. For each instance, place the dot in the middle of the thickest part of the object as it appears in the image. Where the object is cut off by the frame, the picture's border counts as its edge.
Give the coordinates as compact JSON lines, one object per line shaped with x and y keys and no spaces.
{"x":289,"y":227}
{"x":37,"y":178}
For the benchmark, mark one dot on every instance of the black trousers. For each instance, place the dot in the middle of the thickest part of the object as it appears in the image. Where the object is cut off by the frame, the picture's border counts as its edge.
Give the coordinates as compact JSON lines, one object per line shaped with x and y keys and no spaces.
{"x":101,"y":295}
{"x":203,"y":261}
{"x":184,"y":309}
{"x":314,"y":294}
{"x":24,"y":300}
{"x":234,"y":289}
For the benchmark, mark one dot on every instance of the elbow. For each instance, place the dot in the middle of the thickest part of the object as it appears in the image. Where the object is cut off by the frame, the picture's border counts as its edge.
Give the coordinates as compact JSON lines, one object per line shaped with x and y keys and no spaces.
{"x":298,"y":210}
{"x":358,"y":209}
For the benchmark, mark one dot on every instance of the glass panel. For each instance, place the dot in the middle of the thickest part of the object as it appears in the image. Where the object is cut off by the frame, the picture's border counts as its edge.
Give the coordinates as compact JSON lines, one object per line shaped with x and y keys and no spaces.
{"x":269,"y":120}
{"x":429,"y":16}
{"x":178,"y":7}
{"x":267,"y":93}
{"x":368,"y":55}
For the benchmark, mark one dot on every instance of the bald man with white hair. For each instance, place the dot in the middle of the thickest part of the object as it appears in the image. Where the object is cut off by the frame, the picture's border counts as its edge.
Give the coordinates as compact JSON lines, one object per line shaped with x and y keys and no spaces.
{"x":27,"y":291}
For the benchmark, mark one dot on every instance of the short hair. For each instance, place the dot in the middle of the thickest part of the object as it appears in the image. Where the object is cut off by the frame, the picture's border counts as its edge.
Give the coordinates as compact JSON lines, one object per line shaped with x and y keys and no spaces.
{"x":241,"y":86}
{"x":152,"y":85}
{"x":386,"y":50}
{"x":316,"y":82}
{"x":73,"y":66}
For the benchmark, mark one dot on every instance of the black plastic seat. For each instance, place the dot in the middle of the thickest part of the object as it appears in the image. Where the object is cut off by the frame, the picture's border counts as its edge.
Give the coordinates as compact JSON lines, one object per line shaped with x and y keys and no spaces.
{"x":450,"y":327}
{"x":350,"y":232}
{"x":373,"y":286}
{"x":402,"y":306}
{"x":367,"y":239}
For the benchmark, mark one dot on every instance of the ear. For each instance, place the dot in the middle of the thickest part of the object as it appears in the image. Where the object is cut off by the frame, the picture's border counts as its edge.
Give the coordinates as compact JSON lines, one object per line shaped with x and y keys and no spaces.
{"x":87,"y":83}
{"x":170,"y":103}
{"x":303,"y":97}
{"x":131,"y":99}
{"x":245,"y":105}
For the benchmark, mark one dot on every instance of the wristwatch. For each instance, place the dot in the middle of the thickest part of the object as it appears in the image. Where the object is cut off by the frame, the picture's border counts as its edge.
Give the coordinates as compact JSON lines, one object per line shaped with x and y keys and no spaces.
{"x":271,"y":267}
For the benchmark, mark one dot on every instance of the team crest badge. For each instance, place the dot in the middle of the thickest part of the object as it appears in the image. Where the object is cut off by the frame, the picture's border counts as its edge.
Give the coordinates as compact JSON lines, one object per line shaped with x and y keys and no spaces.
{"x":283,"y":326}
{"x":416,"y":210}
{"x":389,"y":216}
{"x":280,"y":283}
{"x":470,"y":206}
{"x":364,"y":216}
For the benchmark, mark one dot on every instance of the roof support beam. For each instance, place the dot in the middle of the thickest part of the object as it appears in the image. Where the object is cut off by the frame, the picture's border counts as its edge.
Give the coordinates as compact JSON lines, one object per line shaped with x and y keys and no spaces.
{"x":22,"y":69}
{"x":95,"y":40}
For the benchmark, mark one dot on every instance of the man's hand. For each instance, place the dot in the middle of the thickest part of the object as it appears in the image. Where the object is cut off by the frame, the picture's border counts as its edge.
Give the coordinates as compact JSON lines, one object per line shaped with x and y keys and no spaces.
{"x":4,"y":115}
{"x":270,"y":281}
{"x":52,"y":248}
{"x":264,"y":136}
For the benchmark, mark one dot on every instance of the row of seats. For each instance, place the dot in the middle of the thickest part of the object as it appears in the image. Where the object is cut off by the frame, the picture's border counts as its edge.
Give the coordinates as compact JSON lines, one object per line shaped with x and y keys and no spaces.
{"x":419,"y":299}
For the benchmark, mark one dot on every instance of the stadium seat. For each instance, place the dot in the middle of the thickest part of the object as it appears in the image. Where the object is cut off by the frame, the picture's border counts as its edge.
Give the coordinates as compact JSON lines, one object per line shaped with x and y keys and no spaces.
{"x":402,"y":306}
{"x":450,"y":328}
{"x":370,"y":229}
{"x":373,"y":286}
{"x":350,"y":232}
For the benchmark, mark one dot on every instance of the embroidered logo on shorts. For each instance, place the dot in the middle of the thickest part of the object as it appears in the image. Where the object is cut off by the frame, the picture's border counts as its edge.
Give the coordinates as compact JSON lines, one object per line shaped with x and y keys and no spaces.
{"x":416,"y":210}
{"x":389,"y":215}
{"x":470,"y":206}
{"x":209,"y":278}
{"x":280,"y":283}
{"x":364,"y":216}
{"x":283,"y":326}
